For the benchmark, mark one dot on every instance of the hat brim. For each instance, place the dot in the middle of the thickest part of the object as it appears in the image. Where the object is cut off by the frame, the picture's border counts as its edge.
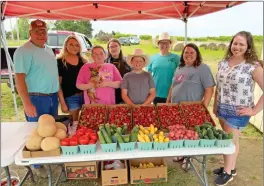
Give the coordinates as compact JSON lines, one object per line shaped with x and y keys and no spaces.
{"x":129,"y":58}
{"x":172,"y":41}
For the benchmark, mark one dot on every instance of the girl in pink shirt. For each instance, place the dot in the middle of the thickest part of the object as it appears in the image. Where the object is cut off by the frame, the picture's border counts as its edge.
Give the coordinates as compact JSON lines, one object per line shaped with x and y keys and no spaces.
{"x":98,"y":78}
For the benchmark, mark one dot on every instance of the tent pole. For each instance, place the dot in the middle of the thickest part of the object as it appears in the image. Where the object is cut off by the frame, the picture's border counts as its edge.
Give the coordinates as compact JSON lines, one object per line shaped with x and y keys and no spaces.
{"x":9,"y":62}
{"x":185,"y":29}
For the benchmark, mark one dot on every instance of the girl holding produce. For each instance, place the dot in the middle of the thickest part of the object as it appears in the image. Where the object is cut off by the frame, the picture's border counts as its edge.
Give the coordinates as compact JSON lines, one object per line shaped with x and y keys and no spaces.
{"x":70,"y":61}
{"x":109,"y":79}
{"x":192,"y":81}
{"x":234,"y":96}
{"x":138,"y":86}
{"x":115,"y":56}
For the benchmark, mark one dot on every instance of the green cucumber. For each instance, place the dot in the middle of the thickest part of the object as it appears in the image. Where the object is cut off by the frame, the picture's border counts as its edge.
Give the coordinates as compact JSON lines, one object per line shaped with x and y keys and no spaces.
{"x":119,"y":138}
{"x":197,"y":129}
{"x":101,"y":137}
{"x":210,"y":134}
{"x":108,"y":129}
{"x":124,"y":129}
{"x":106,"y":137}
{"x":230,"y":135}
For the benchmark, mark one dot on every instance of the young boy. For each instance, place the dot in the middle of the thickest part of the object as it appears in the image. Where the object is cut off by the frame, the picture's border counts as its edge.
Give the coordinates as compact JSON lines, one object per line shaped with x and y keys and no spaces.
{"x":138,"y":86}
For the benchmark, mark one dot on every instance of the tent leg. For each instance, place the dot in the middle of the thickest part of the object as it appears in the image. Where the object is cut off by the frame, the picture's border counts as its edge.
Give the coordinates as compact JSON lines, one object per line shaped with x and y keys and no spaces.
{"x":185,"y":31}
{"x":10,"y":65}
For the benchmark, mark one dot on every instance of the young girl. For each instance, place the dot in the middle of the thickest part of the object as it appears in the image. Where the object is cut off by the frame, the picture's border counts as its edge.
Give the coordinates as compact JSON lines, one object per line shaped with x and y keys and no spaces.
{"x":138,"y":86}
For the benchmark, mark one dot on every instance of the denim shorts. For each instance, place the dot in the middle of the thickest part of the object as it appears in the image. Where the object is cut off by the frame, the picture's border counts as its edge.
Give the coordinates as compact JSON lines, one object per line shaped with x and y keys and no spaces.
{"x":74,"y":102}
{"x":234,"y":121}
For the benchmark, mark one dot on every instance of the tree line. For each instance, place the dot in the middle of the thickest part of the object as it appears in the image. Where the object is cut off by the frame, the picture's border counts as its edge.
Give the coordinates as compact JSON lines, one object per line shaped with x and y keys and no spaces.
{"x":85,"y":27}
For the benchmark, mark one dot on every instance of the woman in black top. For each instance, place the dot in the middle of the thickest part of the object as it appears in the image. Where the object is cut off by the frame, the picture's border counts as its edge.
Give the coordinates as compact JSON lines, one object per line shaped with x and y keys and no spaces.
{"x":70,"y":62}
{"x":115,"y":56}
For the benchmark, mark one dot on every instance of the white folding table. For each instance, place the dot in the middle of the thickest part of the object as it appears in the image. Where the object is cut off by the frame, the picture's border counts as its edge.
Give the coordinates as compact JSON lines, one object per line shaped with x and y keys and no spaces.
{"x":101,"y":156}
{"x":13,"y":137}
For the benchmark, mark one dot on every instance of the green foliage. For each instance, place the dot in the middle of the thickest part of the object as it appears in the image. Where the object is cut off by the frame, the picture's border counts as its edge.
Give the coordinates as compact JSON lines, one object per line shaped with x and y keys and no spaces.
{"x":118,"y":35}
{"x":103,"y":37}
{"x":145,"y":37}
{"x":84,"y":27}
{"x":23,"y":27}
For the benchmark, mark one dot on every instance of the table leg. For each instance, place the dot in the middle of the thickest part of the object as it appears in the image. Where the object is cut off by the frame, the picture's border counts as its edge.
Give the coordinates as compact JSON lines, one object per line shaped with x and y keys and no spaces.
{"x":64,"y":174}
{"x":29,"y":173}
{"x":203,"y":178}
{"x":49,"y":175}
{"x":8,"y":175}
{"x":204,"y":171}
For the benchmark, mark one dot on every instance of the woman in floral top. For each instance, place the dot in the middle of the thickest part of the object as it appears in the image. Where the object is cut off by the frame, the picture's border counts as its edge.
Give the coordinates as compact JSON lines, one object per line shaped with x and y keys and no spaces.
{"x":234,"y":97}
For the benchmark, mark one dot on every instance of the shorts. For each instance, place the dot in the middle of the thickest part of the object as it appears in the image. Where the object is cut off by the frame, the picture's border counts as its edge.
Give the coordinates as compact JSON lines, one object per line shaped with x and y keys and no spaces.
{"x":234,"y":121}
{"x":74,"y":102}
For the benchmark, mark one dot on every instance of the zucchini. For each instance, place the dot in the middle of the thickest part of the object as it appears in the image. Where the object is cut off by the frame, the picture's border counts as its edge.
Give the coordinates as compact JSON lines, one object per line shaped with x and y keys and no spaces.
{"x":124,"y":129}
{"x":119,"y":130}
{"x":101,"y":137}
{"x":119,"y":138}
{"x":106,"y":137}
{"x":108,"y":129}
{"x":126,"y":138}
{"x":220,"y":137}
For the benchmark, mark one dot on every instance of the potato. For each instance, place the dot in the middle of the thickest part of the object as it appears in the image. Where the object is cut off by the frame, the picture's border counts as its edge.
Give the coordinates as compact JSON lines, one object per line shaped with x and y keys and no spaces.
{"x":34,"y":142}
{"x":60,"y":134}
{"x":60,"y":125}
{"x":50,"y":143}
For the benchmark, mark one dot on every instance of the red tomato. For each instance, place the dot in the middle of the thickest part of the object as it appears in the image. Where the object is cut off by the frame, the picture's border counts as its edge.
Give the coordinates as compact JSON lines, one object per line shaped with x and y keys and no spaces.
{"x":83,"y":140}
{"x":89,"y":130}
{"x":92,"y":142}
{"x":93,"y":136}
{"x":74,"y":137}
{"x":65,"y":142}
{"x":73,"y":142}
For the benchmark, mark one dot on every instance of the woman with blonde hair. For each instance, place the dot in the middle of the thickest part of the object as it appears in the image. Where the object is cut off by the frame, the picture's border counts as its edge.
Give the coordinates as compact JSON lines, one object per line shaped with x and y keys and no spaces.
{"x":70,"y":61}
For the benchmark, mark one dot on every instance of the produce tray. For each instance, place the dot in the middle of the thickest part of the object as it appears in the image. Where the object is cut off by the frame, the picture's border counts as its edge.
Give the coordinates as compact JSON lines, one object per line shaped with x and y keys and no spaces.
{"x":109,"y":107}
{"x":81,"y":121}
{"x":194,"y":103}
{"x":156,"y":123}
{"x":110,"y":147}
{"x":70,"y":150}
{"x":161,"y":146}
{"x":145,"y":145}
{"x":191,"y":143}
{"x":223,"y":143}
{"x":127,"y":146}
{"x":178,"y":120}
{"x":174,"y":144}
{"x":207,"y":143}
{"x":87,"y":149}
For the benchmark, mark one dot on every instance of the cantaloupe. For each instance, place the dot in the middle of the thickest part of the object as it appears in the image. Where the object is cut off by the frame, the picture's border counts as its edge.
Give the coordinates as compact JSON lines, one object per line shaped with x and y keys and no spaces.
{"x":60,"y":134}
{"x":34,"y":132}
{"x":34,"y":142}
{"x":50,"y":143}
{"x":60,"y":125}
{"x":46,"y":126}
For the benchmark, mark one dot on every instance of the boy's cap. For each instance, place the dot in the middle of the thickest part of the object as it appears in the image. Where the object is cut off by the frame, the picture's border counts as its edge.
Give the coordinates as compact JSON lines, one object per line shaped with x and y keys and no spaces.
{"x":137,"y":53}
{"x":37,"y":24}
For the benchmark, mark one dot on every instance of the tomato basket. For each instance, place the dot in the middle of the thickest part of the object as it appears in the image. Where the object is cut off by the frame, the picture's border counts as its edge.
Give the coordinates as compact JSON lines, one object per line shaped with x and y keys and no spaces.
{"x":87,"y":149}
{"x":70,"y":150}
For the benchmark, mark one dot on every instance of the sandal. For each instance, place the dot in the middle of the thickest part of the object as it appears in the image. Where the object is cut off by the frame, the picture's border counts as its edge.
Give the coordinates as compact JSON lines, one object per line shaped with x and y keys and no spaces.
{"x":185,"y":166}
{"x":178,"y":158}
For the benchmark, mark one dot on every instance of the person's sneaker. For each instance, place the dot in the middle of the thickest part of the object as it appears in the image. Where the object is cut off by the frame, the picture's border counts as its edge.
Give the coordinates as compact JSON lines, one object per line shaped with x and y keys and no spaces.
{"x":41,"y":172}
{"x":223,"y":179}
{"x":221,"y":170}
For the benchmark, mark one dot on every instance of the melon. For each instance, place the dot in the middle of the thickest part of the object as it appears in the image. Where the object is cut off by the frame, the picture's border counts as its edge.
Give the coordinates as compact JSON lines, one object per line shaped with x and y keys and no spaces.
{"x":34,"y":142}
{"x":60,"y":125}
{"x":50,"y":143}
{"x":46,"y":126}
{"x":35,"y":132}
{"x":60,"y":134}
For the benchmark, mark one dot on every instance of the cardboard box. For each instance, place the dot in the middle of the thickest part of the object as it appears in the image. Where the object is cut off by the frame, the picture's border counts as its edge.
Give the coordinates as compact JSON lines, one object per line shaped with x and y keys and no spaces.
{"x":114,"y":177}
{"x":81,"y":170}
{"x":36,"y":154}
{"x":199,"y":103}
{"x":148,"y":175}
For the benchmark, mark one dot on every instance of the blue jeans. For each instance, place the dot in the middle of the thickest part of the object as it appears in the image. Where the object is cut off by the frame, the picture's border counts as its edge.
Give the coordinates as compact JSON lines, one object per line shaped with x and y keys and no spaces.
{"x":44,"y":105}
{"x":74,"y":102}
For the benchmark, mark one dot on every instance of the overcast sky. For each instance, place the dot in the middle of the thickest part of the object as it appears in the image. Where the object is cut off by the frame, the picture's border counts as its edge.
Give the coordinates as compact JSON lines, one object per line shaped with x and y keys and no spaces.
{"x":247,"y":16}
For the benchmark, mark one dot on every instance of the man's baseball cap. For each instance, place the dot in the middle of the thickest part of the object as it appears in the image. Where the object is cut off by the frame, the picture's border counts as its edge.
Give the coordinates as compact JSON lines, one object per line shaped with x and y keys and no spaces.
{"x":37,"y":24}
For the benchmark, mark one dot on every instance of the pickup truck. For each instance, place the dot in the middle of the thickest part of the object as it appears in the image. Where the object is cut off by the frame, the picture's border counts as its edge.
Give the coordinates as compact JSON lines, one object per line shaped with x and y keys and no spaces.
{"x":55,"y":41}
